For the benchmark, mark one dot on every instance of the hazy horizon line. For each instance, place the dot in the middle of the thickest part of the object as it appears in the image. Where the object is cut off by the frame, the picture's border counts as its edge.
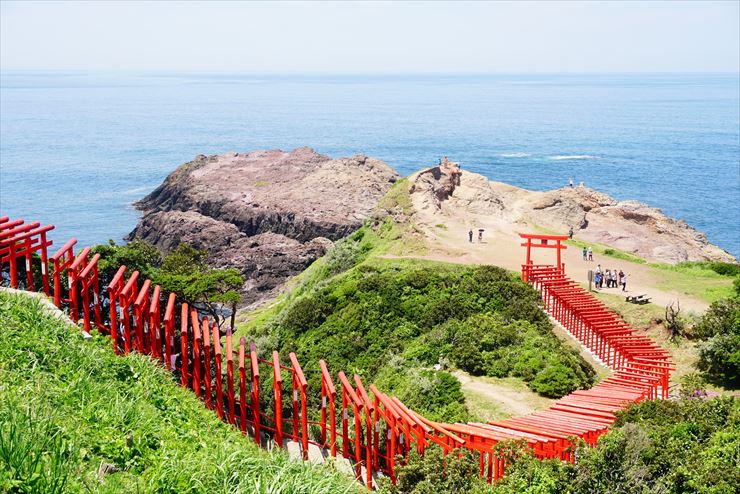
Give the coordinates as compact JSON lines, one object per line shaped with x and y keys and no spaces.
{"x":364,"y":73}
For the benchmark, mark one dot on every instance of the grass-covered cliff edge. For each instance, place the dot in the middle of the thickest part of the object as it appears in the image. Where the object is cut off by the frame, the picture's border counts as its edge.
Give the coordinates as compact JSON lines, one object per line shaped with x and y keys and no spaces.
{"x":75,"y":417}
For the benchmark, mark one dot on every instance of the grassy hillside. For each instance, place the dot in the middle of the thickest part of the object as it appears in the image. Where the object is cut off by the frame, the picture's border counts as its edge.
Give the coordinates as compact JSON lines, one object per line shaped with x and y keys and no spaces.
{"x":70,"y":410}
{"x":392,"y":320}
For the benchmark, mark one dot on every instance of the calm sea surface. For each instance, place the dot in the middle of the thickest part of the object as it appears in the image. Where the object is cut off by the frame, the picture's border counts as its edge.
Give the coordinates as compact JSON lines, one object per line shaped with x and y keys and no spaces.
{"x":76,"y":149}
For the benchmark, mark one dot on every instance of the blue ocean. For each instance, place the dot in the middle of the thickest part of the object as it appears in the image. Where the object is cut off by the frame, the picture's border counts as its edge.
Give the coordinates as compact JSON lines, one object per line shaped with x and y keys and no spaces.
{"x":76,"y":149}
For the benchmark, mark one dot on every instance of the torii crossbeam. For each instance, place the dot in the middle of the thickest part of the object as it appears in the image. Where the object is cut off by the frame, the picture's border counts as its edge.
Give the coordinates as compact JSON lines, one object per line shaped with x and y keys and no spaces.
{"x":539,"y":240}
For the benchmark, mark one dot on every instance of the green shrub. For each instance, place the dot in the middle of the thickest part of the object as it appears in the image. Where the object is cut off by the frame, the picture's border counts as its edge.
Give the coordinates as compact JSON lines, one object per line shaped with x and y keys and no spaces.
{"x":456,"y":472}
{"x":481,"y":319}
{"x":719,"y":357}
{"x":719,"y":354}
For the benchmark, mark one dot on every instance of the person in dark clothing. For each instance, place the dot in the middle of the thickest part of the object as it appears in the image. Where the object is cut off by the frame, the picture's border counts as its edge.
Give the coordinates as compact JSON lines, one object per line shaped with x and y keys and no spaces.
{"x":470,"y":236}
{"x":570,"y":233}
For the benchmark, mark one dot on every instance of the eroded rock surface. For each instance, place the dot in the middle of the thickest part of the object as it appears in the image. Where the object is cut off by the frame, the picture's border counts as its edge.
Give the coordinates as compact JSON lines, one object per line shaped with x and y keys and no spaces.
{"x":267,"y":213}
{"x":595,"y":217}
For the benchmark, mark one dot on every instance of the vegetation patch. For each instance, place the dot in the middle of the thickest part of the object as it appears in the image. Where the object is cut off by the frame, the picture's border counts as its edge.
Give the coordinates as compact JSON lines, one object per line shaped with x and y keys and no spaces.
{"x":605,"y":250}
{"x":74,"y":417}
{"x":672,"y":446}
{"x":392,"y":320}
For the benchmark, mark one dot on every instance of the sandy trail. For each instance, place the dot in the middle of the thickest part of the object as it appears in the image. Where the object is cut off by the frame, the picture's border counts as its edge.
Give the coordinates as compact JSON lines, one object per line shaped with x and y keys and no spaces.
{"x":509,"y":401}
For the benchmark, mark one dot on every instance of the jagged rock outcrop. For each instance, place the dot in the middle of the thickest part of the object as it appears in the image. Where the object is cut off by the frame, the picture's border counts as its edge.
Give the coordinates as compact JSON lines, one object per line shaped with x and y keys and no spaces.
{"x":268,"y":213}
{"x":595,"y":217}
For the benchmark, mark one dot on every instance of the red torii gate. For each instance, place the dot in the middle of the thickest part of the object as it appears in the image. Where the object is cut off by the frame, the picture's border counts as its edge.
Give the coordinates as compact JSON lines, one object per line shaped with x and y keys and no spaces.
{"x":543,"y":242}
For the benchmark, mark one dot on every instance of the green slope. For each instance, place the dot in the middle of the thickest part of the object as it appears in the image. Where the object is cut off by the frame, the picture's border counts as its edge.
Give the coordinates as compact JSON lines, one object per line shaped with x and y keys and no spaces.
{"x":70,"y":408}
{"x":391,"y":320}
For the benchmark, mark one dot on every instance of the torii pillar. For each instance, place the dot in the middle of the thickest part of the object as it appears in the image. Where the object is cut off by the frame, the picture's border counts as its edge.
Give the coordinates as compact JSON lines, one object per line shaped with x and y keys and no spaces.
{"x":538,"y":240}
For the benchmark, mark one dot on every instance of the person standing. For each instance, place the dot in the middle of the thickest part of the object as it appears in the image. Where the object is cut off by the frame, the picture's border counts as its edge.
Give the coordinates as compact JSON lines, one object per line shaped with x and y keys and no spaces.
{"x":480,"y":235}
{"x":623,"y":280}
{"x":590,"y":254}
{"x":570,"y":182}
{"x":470,"y":235}
{"x":570,"y":233}
{"x":608,"y":276}
{"x":585,"y":254}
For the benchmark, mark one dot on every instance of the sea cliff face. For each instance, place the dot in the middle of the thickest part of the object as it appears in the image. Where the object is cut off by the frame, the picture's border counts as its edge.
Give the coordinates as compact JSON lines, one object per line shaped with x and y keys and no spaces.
{"x":267,"y":213}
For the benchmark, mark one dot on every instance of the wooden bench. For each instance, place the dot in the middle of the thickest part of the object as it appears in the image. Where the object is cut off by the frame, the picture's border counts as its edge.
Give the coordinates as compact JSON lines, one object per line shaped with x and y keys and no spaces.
{"x":638,"y":299}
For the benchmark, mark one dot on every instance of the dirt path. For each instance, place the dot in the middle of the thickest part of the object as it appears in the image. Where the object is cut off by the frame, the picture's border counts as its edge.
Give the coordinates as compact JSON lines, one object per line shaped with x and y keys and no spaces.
{"x":495,"y":399}
{"x":446,"y":233}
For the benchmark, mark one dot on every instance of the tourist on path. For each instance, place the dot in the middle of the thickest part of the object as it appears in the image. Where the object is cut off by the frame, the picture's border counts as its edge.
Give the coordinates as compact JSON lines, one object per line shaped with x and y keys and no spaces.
{"x":623,"y":280}
{"x":590,"y":254}
{"x":585,"y":254}
{"x":470,"y":236}
{"x":480,"y":234}
{"x":570,"y":233}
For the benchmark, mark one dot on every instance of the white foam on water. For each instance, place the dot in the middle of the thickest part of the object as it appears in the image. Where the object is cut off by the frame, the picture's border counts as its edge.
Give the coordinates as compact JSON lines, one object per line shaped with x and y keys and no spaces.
{"x":139,"y":190}
{"x":572,"y":157}
{"x":514,"y":155}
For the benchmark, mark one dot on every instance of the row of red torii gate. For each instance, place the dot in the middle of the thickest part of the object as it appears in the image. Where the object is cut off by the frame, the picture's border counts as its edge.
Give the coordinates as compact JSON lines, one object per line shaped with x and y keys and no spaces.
{"x":360,"y":424}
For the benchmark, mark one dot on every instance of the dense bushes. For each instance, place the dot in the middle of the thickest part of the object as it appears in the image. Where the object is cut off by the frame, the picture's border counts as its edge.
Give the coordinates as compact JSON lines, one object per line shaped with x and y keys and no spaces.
{"x":485,"y":344}
{"x":415,"y":315}
{"x":672,"y":446}
{"x":719,"y":353}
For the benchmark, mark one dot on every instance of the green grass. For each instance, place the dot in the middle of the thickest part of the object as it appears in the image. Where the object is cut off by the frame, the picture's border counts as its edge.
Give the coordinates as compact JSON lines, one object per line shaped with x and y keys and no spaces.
{"x":647,"y":319}
{"x":706,"y":281}
{"x":261,"y":183}
{"x":69,"y":405}
{"x":398,"y":196}
{"x":697,"y":280}
{"x":605,"y":250}
{"x":380,"y":237}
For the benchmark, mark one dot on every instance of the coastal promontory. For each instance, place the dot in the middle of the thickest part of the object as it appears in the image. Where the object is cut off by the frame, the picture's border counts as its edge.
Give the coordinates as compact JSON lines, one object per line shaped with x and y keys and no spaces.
{"x":268,"y":213}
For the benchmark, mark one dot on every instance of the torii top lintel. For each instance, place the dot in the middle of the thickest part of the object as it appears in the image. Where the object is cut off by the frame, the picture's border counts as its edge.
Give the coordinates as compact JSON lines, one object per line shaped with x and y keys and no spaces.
{"x":543,"y":242}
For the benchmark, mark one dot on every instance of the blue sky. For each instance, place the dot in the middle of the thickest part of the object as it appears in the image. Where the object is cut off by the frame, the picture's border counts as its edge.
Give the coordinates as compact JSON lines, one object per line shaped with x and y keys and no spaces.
{"x":356,"y":37}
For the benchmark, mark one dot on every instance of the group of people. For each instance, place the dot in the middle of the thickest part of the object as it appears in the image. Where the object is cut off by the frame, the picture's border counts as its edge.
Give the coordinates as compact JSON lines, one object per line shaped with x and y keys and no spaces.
{"x":611,"y":278}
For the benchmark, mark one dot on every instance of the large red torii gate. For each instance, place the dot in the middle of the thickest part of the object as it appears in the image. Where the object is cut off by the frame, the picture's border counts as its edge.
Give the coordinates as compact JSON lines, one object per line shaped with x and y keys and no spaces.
{"x":543,"y":242}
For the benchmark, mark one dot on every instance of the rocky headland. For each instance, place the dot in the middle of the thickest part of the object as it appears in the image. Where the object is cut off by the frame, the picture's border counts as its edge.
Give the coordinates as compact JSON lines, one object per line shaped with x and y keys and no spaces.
{"x":630,"y":226}
{"x":270,"y":214}
{"x":267,"y":213}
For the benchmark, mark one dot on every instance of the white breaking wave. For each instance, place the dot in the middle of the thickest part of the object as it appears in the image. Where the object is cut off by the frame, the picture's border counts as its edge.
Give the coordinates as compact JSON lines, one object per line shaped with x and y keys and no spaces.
{"x":573,"y":157}
{"x":139,"y":190}
{"x":514,"y":155}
